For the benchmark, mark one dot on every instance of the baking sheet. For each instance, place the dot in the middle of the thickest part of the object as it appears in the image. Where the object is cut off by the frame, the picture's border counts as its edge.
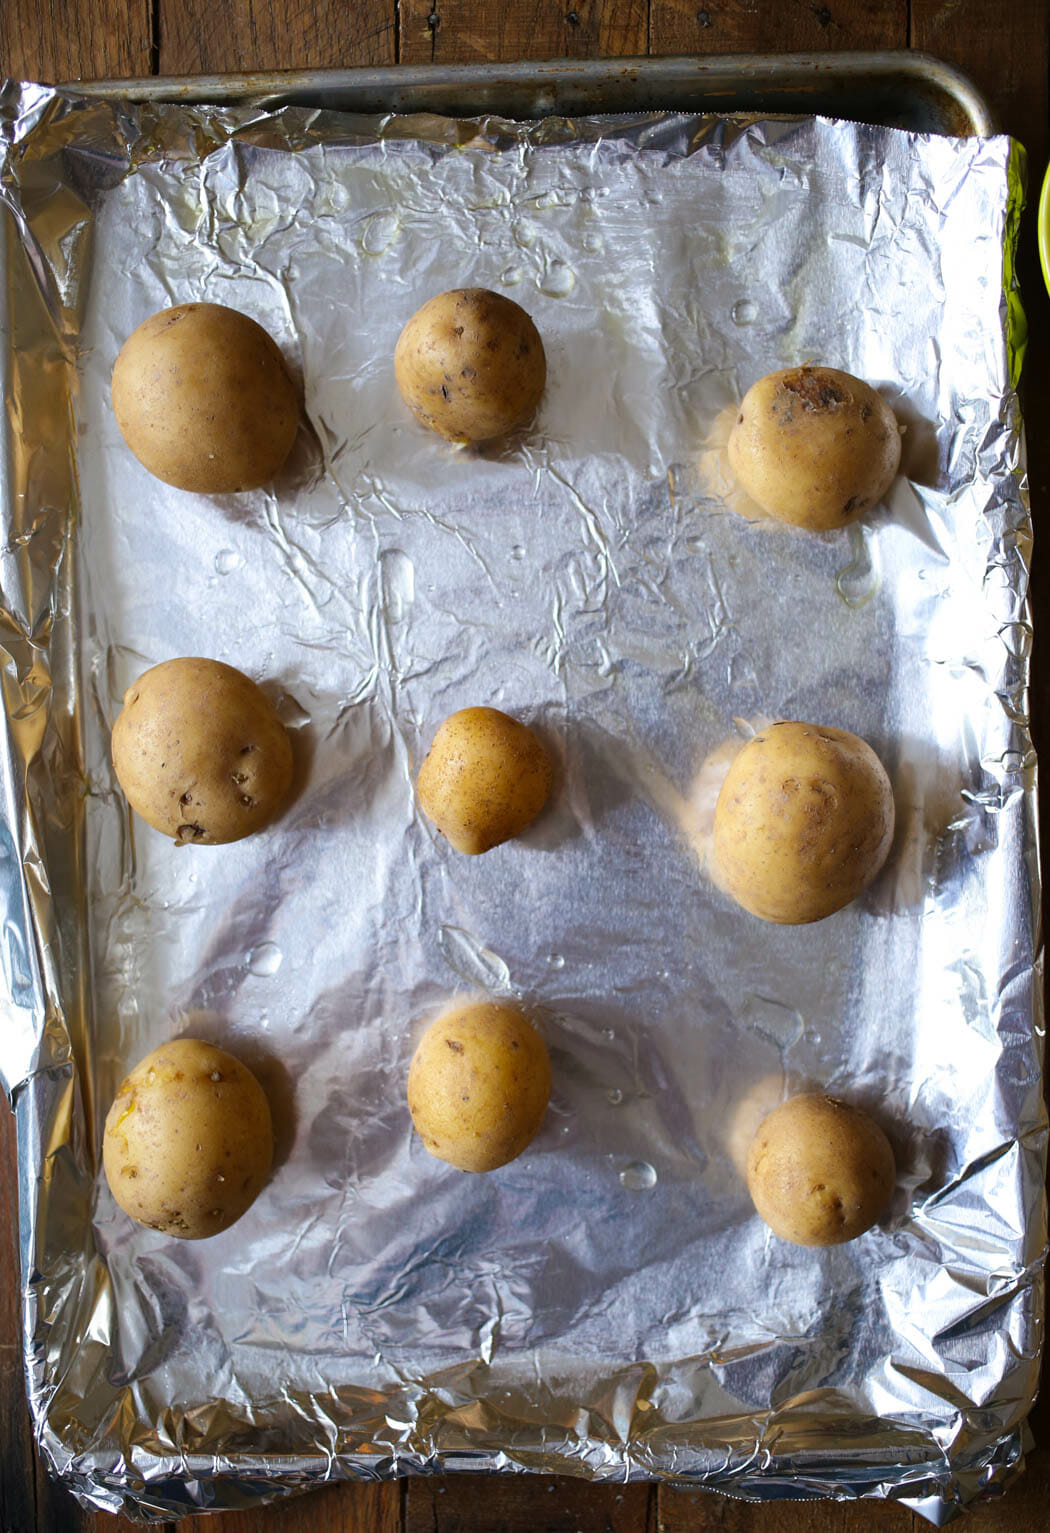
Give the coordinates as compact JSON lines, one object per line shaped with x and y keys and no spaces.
{"x":898,"y":88}
{"x":607,"y":1305}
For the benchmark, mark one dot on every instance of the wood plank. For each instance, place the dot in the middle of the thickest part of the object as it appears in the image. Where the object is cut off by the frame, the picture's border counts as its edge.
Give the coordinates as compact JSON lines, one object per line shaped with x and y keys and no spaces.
{"x":685,"y":1512}
{"x":527,"y":1504}
{"x":202,"y":37}
{"x":462,"y":31}
{"x":1004,"y":51}
{"x":59,"y":1512}
{"x":74,"y":39}
{"x":343,"y":1508}
{"x":791,"y":26}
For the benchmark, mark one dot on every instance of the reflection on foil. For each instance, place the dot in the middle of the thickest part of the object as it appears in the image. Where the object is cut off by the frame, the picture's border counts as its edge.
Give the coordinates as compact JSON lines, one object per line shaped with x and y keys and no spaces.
{"x":608,"y":1305}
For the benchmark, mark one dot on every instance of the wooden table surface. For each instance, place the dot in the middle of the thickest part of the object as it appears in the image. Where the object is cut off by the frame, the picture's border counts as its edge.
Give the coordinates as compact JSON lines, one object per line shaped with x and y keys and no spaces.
{"x":1004,"y":48}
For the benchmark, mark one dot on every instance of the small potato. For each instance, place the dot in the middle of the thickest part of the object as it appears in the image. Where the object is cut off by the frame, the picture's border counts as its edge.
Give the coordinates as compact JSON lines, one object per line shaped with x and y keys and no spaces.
{"x":485,"y":779}
{"x":470,"y":365}
{"x":820,"y":1172}
{"x":200,"y":752}
{"x":814,"y":447}
{"x":188,"y":1142}
{"x":803,"y":822}
{"x":478,"y":1084}
{"x":203,"y":399}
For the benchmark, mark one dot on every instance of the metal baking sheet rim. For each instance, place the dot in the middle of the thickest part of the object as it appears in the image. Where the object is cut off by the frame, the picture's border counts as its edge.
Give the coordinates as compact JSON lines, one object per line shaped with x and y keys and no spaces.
{"x":769,"y":83}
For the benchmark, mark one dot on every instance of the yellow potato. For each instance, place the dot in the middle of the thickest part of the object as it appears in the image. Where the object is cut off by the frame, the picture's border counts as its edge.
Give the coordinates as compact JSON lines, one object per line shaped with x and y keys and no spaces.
{"x":470,"y":365}
{"x":200,"y":752}
{"x":814,"y":447}
{"x":803,"y":822}
{"x":188,"y":1142}
{"x":478,"y":1084}
{"x":820,"y":1172}
{"x":485,"y":779}
{"x":203,"y":399}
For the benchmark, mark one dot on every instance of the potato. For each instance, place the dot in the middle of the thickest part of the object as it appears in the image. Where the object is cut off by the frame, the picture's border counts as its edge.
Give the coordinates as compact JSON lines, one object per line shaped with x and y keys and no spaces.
{"x":478,"y":1084}
{"x":814,"y":447}
{"x":200,"y":752}
{"x":485,"y":779}
{"x":803,"y":822}
{"x":819,"y":1171}
{"x":203,"y":399}
{"x":188,"y":1142}
{"x":470,"y":365}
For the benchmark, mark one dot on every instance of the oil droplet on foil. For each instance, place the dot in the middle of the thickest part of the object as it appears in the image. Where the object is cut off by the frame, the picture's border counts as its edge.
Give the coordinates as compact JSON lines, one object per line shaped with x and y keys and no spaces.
{"x":380,"y":232}
{"x":226,"y":561}
{"x":593,"y":244}
{"x":291,"y":714}
{"x":265,"y":960}
{"x":471,"y":960}
{"x":609,"y":1032}
{"x":772,"y":1020}
{"x":639,"y":1176}
{"x":742,"y":673}
{"x":510,"y":275}
{"x":517,"y":552}
{"x":556,"y":960}
{"x":744,"y":312}
{"x":859,"y":581}
{"x":557,"y":281}
{"x":397,"y":584}
{"x":614,"y":1096}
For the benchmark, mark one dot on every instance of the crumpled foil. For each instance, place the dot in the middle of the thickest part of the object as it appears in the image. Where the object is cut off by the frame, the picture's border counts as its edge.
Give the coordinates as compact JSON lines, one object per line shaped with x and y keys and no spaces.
{"x":608,"y":1305}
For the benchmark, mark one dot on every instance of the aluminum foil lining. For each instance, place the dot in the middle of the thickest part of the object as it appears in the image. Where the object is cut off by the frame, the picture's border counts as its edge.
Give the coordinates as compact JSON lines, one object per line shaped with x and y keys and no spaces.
{"x":608,"y":1305}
